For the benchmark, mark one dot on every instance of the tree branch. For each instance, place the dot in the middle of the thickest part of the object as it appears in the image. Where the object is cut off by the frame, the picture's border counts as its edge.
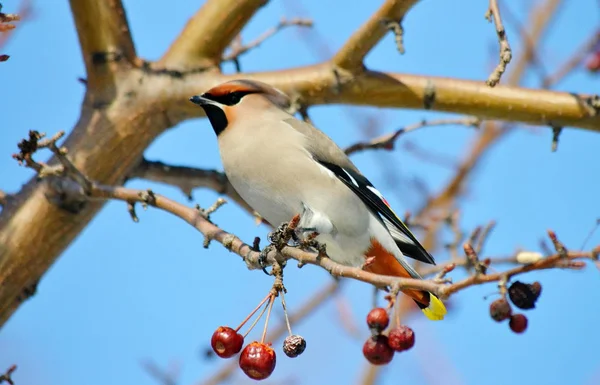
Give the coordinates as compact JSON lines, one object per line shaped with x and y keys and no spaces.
{"x":209,"y":32}
{"x":256,"y":260}
{"x":493,"y":13}
{"x":573,"y":62}
{"x":238,"y":49}
{"x":388,"y":141}
{"x":187,"y":179}
{"x":105,"y":39}
{"x":350,"y":57}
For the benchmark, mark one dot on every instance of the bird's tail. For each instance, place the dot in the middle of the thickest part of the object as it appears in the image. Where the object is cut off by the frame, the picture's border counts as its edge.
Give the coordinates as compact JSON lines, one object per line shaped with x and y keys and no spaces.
{"x":386,"y":263}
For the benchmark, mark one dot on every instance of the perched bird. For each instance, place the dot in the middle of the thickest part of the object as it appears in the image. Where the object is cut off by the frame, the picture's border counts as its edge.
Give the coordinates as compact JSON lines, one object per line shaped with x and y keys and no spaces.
{"x":282,"y":166}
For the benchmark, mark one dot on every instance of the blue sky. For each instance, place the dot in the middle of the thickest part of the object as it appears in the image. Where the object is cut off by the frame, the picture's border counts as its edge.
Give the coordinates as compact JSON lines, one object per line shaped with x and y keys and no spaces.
{"x":126,"y":292}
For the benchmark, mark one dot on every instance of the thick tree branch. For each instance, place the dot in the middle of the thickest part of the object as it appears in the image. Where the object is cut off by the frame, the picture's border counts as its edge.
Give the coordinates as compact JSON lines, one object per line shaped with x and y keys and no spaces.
{"x":187,"y":179}
{"x":104,"y":37}
{"x":209,"y":32}
{"x":318,"y":85}
{"x":350,"y":57}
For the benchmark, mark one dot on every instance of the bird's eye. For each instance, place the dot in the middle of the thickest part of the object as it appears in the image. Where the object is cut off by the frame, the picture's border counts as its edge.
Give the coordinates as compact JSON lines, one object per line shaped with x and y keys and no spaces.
{"x":234,"y":98}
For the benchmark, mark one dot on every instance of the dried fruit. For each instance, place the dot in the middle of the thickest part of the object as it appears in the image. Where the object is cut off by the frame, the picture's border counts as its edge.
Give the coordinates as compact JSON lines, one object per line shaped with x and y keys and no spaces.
{"x":521,"y":295}
{"x":226,"y":342}
{"x":500,"y":310}
{"x":536,"y":289}
{"x":378,"y":319}
{"x":518,"y":323}
{"x":401,"y":338}
{"x":294,"y":345}
{"x":258,"y":360}
{"x":377,"y":350}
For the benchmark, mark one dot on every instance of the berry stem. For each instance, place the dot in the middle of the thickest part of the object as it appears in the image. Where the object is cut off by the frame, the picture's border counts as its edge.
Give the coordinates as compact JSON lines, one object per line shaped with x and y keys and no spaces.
{"x":259,"y":316}
{"x":285,"y":313}
{"x":251,"y":314}
{"x":272,"y":300}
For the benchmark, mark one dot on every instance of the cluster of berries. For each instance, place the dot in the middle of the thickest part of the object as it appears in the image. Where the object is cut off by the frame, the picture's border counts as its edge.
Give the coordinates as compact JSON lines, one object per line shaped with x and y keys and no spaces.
{"x":379,"y":349}
{"x":523,"y":296}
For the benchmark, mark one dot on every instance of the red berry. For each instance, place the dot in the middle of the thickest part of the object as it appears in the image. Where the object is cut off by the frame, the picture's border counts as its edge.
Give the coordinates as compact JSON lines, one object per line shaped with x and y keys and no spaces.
{"x":401,"y":338}
{"x":258,"y":360}
{"x":593,"y":63}
{"x":378,"y":319}
{"x":377,"y":350}
{"x":500,"y":310}
{"x":226,"y":342}
{"x":518,"y":323}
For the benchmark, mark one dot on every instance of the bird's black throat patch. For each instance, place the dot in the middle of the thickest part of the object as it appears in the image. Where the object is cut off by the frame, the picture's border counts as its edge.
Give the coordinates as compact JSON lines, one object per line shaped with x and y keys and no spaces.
{"x":217,"y":118}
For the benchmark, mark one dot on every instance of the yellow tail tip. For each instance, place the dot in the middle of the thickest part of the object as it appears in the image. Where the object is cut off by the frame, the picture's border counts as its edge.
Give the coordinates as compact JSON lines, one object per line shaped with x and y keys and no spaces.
{"x":436,"y":309}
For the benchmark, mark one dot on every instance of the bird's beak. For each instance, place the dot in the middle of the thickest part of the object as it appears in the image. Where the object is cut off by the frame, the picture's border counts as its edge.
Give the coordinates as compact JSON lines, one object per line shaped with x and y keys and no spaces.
{"x":202,"y":101}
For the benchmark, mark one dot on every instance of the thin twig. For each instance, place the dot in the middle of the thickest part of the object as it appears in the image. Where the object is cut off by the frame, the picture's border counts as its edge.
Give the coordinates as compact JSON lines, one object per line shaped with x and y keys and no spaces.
{"x":237,"y":49}
{"x":505,"y":50}
{"x":388,"y":141}
{"x":7,"y":376}
{"x":161,"y":376}
{"x":573,"y":62}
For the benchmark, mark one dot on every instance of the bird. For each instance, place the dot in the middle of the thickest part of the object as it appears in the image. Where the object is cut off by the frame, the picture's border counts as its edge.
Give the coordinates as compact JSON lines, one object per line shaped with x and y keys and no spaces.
{"x":283,"y":166}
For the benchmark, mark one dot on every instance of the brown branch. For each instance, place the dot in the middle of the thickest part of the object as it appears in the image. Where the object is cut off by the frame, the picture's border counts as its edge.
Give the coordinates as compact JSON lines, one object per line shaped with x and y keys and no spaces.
{"x":105,"y":40}
{"x":350,"y":57}
{"x":238,"y":49}
{"x":7,"y":376}
{"x":388,"y":141}
{"x":303,"y":312}
{"x":505,"y":51}
{"x":573,"y":62}
{"x":5,"y":198}
{"x":256,"y":260}
{"x":187,"y":179}
{"x":208,"y":33}
{"x":161,"y":376}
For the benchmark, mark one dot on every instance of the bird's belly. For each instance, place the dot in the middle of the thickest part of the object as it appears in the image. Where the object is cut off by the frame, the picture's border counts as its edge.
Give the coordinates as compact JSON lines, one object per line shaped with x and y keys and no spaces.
{"x":268,"y":205}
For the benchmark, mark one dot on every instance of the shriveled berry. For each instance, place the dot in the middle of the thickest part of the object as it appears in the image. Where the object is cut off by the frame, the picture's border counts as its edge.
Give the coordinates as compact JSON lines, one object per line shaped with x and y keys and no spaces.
{"x":521,"y":295}
{"x":518,"y":323}
{"x":294,"y":345}
{"x":226,"y":342}
{"x":536,"y":289}
{"x":500,"y":310}
{"x":378,"y":319}
{"x":258,"y":360}
{"x":401,"y":338}
{"x":377,"y":350}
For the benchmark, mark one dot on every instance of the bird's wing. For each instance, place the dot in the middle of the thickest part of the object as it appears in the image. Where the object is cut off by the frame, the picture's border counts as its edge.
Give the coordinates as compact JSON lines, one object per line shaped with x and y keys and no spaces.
{"x":327,"y":153}
{"x":361,"y":186}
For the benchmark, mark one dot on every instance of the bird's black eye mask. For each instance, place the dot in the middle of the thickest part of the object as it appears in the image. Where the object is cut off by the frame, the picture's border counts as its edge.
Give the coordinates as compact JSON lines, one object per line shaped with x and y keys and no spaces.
{"x":229,"y":99}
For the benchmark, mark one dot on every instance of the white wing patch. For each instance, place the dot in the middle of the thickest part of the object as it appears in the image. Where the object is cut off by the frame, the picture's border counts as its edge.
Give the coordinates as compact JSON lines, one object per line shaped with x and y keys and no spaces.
{"x":354,"y":182}
{"x":376,"y":192}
